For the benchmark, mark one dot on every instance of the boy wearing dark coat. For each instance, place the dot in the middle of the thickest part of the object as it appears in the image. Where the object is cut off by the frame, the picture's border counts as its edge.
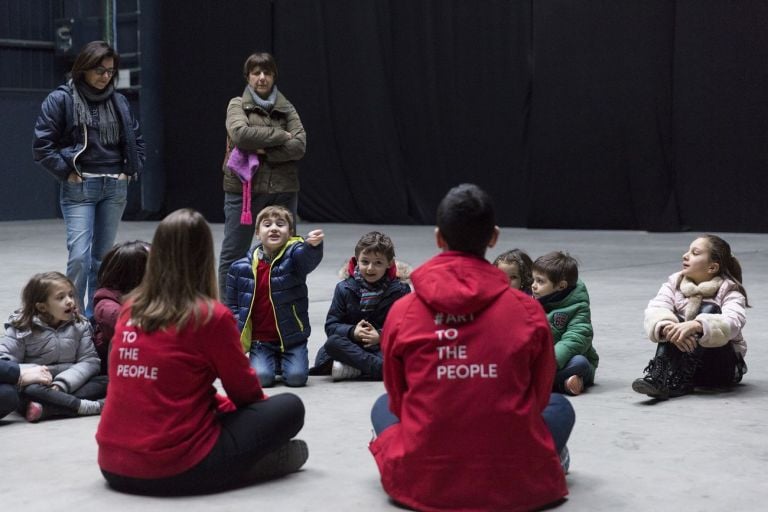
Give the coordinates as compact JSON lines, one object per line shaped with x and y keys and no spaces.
{"x":358,"y":310}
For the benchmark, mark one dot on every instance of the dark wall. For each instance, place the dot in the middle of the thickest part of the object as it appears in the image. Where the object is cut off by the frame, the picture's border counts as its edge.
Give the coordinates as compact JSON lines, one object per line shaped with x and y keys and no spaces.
{"x":645,"y":114}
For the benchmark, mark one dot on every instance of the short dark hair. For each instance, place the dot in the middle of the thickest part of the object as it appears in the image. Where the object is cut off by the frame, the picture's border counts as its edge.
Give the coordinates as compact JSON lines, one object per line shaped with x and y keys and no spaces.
{"x":263,"y":60}
{"x":124,"y":265}
{"x":375,"y":241}
{"x":90,"y":57}
{"x":466,"y":219}
{"x":558,"y":266}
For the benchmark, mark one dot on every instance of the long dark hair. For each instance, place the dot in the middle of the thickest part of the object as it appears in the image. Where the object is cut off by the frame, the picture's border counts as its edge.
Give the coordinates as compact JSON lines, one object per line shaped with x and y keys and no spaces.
{"x":123,"y":267}
{"x":180,"y":274}
{"x":730,"y":268}
{"x":90,"y":57}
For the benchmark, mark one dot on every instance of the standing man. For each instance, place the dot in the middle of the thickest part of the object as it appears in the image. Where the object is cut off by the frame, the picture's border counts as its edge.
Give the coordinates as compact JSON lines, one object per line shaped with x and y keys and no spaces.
{"x":261,"y":122}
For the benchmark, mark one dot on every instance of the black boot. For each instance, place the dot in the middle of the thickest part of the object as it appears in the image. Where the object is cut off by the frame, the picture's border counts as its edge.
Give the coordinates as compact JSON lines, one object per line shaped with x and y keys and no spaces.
{"x":681,"y":381}
{"x":655,"y":382}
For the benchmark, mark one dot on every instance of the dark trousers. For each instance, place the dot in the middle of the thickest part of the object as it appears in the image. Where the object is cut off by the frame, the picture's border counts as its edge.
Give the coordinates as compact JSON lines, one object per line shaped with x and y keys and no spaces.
{"x":344,"y":350}
{"x":9,"y":399}
{"x":247,"y":435}
{"x":718,"y":366}
{"x":59,"y":403}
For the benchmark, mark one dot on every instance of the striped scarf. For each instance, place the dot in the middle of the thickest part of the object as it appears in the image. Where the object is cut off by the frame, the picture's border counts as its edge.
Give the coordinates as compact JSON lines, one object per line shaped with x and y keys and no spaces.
{"x":370,"y":293}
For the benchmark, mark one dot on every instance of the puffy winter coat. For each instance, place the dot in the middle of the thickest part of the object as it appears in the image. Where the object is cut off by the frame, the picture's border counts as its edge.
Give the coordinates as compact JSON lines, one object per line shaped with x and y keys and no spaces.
{"x":468,"y":367}
{"x":571,"y":321}
{"x":249,"y":127}
{"x":67,"y":350}
{"x":58,"y":142}
{"x":288,"y":290}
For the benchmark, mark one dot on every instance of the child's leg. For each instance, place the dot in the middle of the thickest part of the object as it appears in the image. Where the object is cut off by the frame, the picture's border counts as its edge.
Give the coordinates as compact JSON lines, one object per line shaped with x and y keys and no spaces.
{"x":94,"y":389}
{"x":717,"y":367}
{"x":255,"y":443}
{"x":578,"y":365}
{"x":9,"y":399}
{"x":344,"y":350}
{"x":262,"y":356}
{"x":295,"y":363}
{"x":323,"y":363}
{"x":381,"y":416}
{"x":45,"y":402}
{"x":560,"y":418}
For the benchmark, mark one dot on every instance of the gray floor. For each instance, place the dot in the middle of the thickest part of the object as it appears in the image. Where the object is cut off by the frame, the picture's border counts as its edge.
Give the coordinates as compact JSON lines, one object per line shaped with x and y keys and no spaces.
{"x":702,"y":452}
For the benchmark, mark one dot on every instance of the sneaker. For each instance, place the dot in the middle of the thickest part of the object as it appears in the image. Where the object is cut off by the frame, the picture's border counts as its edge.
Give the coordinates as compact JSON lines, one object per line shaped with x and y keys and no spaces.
{"x":90,"y":407}
{"x":574,"y":385}
{"x":341,"y":371}
{"x":289,"y":458}
{"x":565,"y":459}
{"x":34,"y":412}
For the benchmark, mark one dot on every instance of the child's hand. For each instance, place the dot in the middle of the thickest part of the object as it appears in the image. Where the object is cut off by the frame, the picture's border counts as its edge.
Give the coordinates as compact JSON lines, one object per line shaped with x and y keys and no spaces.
{"x":368,"y":336}
{"x":315,"y":237}
{"x":684,"y":335}
{"x":35,"y":375}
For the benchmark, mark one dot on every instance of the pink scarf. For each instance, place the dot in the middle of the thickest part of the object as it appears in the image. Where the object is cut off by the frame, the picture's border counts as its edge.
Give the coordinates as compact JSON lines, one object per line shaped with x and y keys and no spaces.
{"x":244,"y":165}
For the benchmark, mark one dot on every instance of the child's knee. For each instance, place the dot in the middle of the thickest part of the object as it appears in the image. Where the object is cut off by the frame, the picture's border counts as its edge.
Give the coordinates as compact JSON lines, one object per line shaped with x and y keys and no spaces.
{"x":266,"y":379}
{"x":295,"y":379}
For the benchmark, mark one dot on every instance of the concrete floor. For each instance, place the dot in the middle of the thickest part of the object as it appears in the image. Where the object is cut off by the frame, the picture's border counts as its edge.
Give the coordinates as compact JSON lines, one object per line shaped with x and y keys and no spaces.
{"x":706,"y":452}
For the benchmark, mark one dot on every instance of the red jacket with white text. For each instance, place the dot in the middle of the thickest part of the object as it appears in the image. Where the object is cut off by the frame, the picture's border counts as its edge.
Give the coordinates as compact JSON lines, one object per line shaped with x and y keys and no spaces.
{"x":160,"y":418}
{"x":468,"y":366}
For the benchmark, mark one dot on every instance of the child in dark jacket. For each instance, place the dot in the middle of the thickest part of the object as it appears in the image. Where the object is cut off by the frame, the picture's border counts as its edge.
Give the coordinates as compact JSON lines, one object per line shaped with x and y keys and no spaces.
{"x":360,"y":306}
{"x":564,"y":296}
{"x":267,"y":292}
{"x":121,"y":271}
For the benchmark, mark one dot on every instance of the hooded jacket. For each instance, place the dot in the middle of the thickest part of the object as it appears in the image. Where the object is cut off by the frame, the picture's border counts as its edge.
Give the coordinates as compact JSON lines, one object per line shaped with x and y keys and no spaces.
{"x":468,"y":367}
{"x":571,"y":321}
{"x":67,"y":350}
{"x":249,"y":127}
{"x":287,"y":288}
{"x":107,"y":303}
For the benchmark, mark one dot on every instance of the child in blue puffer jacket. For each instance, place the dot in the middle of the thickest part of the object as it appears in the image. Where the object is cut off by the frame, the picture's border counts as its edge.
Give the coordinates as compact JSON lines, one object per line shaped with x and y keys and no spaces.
{"x":267,"y":292}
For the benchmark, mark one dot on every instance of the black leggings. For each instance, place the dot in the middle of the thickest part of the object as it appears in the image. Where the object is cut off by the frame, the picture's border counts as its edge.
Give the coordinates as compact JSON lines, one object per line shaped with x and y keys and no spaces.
{"x":59,"y":403}
{"x":247,"y":435}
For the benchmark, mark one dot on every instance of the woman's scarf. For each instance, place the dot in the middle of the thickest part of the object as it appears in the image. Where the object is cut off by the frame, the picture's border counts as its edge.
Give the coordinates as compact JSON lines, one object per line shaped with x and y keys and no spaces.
{"x":84,"y":97}
{"x":696,"y":292}
{"x":266,"y":104}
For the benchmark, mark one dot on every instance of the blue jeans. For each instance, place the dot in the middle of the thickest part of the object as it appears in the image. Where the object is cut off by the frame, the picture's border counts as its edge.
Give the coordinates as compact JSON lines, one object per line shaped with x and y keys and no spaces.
{"x":558,"y":415}
{"x":293,"y":363}
{"x":238,"y":238}
{"x":578,"y":365}
{"x":92,"y":211}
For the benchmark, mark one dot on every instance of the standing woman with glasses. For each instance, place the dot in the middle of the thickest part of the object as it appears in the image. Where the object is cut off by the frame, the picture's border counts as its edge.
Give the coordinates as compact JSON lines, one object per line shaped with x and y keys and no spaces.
{"x":87,"y":139}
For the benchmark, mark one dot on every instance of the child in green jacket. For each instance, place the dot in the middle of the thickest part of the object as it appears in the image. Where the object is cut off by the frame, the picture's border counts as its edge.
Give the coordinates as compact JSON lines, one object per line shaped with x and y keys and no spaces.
{"x":565,"y":299}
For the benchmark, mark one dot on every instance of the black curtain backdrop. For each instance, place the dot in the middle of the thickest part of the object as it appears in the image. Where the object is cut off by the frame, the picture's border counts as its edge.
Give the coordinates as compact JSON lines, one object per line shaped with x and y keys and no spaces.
{"x":597,"y":114}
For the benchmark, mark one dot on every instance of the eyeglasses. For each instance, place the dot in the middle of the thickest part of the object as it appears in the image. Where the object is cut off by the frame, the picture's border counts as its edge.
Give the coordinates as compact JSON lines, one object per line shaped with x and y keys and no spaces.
{"x":101,"y":71}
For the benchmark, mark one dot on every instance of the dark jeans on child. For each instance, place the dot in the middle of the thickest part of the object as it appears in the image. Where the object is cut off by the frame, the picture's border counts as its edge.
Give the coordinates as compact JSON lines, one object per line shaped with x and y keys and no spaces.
{"x":578,"y":365}
{"x":558,"y":415}
{"x":247,"y":436}
{"x":344,"y":350}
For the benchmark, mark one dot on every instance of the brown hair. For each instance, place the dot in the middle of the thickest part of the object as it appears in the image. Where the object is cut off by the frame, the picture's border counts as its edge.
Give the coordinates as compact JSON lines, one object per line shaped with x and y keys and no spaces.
{"x":263,"y":60}
{"x":524,"y":265}
{"x":90,"y":57}
{"x":377,"y":242}
{"x":37,"y":289}
{"x":730,"y":268}
{"x":277,"y":213}
{"x":123,"y":267}
{"x":180,"y":274}
{"x":558,"y":266}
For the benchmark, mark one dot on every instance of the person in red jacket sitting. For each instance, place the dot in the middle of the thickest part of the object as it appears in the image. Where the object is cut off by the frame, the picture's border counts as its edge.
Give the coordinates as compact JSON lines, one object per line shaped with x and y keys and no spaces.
{"x":165,"y":430}
{"x":469,"y":421}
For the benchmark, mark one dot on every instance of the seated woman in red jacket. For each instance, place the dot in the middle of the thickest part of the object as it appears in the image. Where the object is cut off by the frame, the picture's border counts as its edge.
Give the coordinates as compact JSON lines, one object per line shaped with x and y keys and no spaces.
{"x":165,"y":430}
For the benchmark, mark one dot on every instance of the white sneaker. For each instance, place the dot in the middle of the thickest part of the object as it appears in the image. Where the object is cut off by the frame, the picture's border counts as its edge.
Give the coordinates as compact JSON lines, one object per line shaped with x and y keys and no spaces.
{"x":341,"y":371}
